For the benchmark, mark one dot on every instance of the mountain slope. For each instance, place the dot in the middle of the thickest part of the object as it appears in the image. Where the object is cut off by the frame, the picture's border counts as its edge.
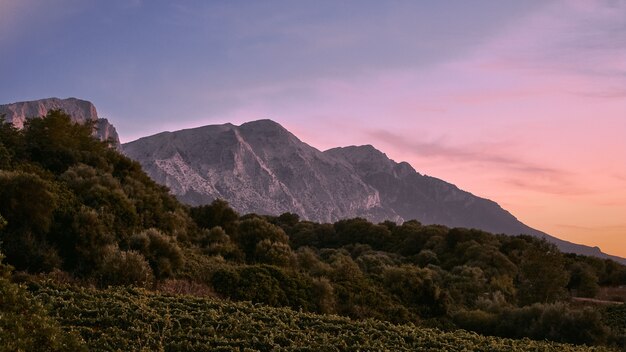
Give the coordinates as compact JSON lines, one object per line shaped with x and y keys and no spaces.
{"x":261,"y":167}
{"x":434,"y":201}
{"x":79,"y":110}
{"x":257,"y":167}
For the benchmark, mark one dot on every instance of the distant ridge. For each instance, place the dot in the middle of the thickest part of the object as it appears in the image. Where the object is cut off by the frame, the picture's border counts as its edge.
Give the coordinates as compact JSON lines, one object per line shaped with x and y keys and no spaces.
{"x":260,"y":167}
{"x":79,"y":110}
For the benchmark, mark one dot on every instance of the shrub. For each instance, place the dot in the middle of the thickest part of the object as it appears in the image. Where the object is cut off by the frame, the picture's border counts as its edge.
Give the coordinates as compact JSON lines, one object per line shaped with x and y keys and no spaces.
{"x":161,"y":251}
{"x":125,"y":268}
{"x":25,"y":324}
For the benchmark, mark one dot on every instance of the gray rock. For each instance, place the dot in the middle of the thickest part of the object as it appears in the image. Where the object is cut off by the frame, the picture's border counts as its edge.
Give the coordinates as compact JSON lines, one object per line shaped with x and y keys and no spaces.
{"x":79,"y":110}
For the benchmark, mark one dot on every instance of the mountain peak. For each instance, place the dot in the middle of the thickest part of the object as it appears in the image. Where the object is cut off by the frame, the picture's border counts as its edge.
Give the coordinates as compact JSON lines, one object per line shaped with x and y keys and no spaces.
{"x":365,"y":157}
{"x":262,"y":124}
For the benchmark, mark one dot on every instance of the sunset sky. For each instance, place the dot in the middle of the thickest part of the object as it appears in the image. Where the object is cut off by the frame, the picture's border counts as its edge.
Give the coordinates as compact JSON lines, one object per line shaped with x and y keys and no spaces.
{"x":521,"y":102}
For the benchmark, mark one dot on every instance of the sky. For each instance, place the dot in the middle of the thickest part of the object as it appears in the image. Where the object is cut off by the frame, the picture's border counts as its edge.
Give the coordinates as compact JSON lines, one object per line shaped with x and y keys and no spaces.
{"x":521,"y":102}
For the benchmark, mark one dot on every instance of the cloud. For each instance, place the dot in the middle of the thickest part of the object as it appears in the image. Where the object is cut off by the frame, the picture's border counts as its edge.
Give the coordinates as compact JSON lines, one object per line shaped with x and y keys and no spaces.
{"x":583,"y":38}
{"x":490,"y":158}
{"x":483,"y":153}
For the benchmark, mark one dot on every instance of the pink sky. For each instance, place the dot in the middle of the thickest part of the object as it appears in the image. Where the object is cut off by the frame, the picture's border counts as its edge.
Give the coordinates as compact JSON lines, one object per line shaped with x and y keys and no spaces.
{"x":534,"y":119}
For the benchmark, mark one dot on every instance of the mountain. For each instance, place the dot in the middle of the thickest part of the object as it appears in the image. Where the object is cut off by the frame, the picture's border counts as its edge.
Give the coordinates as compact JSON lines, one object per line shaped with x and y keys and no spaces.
{"x":260,"y":167}
{"x":257,"y":167}
{"x":79,"y":110}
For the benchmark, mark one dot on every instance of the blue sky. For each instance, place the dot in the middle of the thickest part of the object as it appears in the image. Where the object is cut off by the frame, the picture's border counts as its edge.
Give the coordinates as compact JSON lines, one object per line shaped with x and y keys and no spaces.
{"x":149,"y":60}
{"x":522,"y":102}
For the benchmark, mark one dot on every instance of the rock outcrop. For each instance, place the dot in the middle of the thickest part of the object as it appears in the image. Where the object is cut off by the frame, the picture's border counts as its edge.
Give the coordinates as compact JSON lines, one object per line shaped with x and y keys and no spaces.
{"x":79,"y":110}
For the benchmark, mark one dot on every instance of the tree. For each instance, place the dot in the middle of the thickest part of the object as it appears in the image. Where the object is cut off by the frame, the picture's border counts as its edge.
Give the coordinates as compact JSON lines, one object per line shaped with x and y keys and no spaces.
{"x":56,"y":143}
{"x":254,"y":230}
{"x":5,"y":157}
{"x":161,"y":251}
{"x":218,"y":213}
{"x":28,"y":203}
{"x":543,"y":275}
{"x":583,"y":280}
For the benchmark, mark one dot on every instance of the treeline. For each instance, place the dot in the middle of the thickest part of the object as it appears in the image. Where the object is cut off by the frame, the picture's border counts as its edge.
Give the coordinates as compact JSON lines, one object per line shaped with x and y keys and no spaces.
{"x":70,"y":204}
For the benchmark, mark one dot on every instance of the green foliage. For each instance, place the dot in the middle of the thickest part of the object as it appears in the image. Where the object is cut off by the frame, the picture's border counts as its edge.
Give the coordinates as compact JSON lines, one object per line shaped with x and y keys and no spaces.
{"x":544,"y":277}
{"x":162,"y":251}
{"x":218,"y":243}
{"x":268,"y":285}
{"x":24,"y":238}
{"x":5,"y":157}
{"x":555,"y":322}
{"x":55,"y":143}
{"x":25,"y":324}
{"x":583,"y":280}
{"x":67,"y":199}
{"x":417,"y":288}
{"x":134,"y":319}
{"x":273,"y":252}
{"x":218,"y":213}
{"x":125,"y":268}
{"x":15,"y":189}
{"x":253,"y":231}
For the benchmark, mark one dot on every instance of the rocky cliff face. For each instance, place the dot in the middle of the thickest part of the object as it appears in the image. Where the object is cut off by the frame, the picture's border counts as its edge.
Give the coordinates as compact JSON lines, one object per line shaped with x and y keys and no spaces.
{"x":257,"y":167}
{"x":79,"y":110}
{"x":261,"y":167}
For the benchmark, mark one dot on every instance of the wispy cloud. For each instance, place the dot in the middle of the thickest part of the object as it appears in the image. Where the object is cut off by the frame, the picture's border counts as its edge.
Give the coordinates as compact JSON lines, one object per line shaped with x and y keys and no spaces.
{"x":482,"y":153}
{"x":584,"y":38}
{"x":490,"y":157}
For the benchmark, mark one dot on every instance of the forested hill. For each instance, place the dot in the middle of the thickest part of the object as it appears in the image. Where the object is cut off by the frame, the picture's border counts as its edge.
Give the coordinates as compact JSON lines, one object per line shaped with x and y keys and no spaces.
{"x":76,"y":213}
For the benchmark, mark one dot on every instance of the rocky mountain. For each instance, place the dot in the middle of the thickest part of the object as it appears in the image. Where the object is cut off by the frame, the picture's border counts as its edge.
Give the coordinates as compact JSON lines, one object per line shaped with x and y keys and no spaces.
{"x":79,"y":110}
{"x":257,"y":167}
{"x":261,"y":167}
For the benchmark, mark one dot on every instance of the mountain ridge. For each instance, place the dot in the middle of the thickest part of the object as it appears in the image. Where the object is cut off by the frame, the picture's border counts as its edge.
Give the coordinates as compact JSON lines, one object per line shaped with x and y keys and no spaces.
{"x":263,"y":168}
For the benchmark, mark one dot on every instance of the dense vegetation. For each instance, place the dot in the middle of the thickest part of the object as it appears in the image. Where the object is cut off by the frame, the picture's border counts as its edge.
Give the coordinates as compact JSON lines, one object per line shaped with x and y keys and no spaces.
{"x":137,"y":320}
{"x":25,"y":324}
{"x":73,"y":209}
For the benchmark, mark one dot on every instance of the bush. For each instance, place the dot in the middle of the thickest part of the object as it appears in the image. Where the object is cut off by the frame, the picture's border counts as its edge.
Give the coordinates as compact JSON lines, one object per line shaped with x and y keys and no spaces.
{"x":161,"y":251}
{"x":274,"y":253}
{"x":25,"y":324}
{"x":125,"y":268}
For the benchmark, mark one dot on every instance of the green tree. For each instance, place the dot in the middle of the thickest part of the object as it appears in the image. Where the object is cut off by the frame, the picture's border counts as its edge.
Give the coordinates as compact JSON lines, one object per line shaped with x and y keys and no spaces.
{"x":162,"y":251}
{"x":543,"y":276}
{"x":56,"y":143}
{"x":583,"y":280}
{"x":5,"y":157}
{"x":28,"y":203}
{"x":218,"y":213}
{"x":254,"y":230}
